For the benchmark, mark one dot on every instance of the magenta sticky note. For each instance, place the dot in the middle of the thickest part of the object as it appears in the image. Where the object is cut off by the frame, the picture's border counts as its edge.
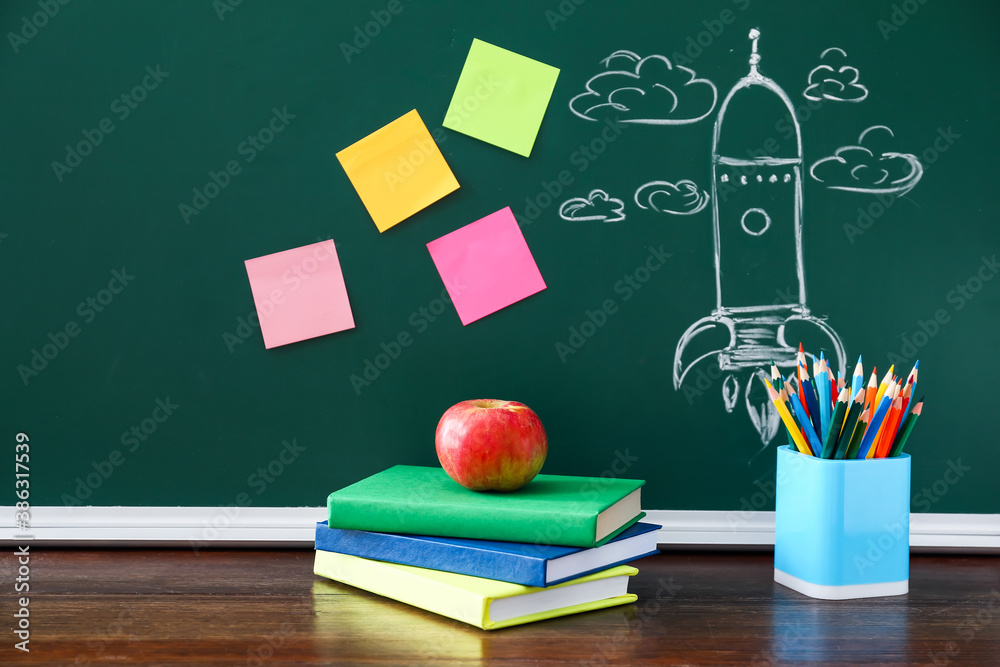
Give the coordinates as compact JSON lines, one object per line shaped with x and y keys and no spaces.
{"x":300,"y":294}
{"x":486,"y":265}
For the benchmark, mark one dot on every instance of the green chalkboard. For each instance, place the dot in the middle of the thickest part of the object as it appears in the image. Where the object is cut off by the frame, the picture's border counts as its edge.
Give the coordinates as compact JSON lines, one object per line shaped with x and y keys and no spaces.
{"x":149,"y":148}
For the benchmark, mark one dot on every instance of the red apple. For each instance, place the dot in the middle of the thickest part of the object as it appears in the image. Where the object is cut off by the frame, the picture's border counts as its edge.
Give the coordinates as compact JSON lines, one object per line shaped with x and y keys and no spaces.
{"x":491,"y":445}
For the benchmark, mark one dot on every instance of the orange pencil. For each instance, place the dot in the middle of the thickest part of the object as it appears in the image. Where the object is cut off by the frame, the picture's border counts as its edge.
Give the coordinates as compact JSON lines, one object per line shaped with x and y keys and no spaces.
{"x":871,"y":391}
{"x":888,"y":434}
{"x":889,"y":393}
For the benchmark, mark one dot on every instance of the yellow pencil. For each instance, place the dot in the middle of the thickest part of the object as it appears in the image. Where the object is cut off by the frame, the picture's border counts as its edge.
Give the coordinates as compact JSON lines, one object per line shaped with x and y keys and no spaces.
{"x":893,"y":394}
{"x":786,"y":417}
{"x":890,"y":389}
{"x":884,"y":385}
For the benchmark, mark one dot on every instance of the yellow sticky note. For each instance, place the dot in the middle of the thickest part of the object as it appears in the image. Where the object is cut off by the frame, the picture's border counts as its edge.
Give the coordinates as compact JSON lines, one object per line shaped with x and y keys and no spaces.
{"x":501,"y":97}
{"x":397,"y":170}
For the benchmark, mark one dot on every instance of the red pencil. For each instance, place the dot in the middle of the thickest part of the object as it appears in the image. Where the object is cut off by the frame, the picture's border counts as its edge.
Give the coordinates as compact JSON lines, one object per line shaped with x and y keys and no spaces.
{"x":801,"y":358}
{"x":888,"y":434}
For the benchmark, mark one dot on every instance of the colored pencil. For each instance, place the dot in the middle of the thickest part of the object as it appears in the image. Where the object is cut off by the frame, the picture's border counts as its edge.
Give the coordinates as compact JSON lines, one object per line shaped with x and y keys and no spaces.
{"x":858,"y":379}
{"x":786,"y":417}
{"x":906,"y":394}
{"x":829,"y":416}
{"x":776,"y":380}
{"x":913,"y":376}
{"x":883,"y":385}
{"x":800,"y":359}
{"x":870,"y":392}
{"x":806,"y":425}
{"x":787,"y":390}
{"x":808,"y":397}
{"x":889,"y":428}
{"x":857,"y":434}
{"x":836,"y":422}
{"x":823,"y":398}
{"x":892,"y":393}
{"x":850,"y":421}
{"x":907,"y":428}
{"x":866,"y":451}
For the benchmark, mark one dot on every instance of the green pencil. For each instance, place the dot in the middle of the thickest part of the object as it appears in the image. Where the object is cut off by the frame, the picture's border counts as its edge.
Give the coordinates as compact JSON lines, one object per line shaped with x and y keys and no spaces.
{"x":836,"y":423}
{"x":904,"y":431}
{"x":857,"y":435}
{"x":850,"y":421}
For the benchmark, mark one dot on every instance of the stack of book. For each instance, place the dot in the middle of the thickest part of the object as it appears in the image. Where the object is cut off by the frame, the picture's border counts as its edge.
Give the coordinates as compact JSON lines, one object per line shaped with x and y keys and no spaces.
{"x":553,"y":548}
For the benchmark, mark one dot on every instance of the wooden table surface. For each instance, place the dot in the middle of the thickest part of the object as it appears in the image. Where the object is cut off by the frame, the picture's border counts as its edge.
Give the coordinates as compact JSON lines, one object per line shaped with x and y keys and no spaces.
{"x":261,"y":608}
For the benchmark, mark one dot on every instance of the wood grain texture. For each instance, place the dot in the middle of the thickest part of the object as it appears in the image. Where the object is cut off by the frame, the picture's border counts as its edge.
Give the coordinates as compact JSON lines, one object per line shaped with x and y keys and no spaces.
{"x":267,"y":608}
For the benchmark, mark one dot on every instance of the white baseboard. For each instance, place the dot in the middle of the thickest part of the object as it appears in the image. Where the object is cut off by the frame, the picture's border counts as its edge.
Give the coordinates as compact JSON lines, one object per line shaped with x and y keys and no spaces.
{"x":204,"y":527}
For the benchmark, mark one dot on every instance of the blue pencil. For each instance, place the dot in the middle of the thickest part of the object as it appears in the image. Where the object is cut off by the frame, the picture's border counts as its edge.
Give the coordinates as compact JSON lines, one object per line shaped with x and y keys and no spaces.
{"x":809,"y":395}
{"x":806,"y":425}
{"x":823,"y":391}
{"x":858,"y":380}
{"x":874,"y":424}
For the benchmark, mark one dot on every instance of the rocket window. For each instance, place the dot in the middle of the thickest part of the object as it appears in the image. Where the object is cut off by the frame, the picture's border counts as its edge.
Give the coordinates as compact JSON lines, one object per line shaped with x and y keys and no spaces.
{"x":755,"y":221}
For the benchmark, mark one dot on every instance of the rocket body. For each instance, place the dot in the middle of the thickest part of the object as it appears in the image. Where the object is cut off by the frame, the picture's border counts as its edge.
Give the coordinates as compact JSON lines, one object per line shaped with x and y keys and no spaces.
{"x":757,"y":202}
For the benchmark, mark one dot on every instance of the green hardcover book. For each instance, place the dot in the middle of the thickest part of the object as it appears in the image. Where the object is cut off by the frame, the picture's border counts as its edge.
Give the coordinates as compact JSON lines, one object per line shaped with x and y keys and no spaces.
{"x":551,"y":509}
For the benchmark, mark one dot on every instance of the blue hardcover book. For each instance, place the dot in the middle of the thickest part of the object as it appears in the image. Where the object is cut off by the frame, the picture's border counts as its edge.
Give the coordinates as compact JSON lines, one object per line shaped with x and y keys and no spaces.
{"x":519,"y":563}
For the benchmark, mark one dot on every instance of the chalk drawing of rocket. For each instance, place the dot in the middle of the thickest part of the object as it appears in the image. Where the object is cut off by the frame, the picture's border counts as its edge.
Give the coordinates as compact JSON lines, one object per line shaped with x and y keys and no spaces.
{"x":759,"y":277}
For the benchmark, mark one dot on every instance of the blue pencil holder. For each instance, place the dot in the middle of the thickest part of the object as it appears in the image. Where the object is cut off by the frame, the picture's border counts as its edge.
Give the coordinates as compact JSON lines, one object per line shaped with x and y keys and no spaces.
{"x":842,"y":527}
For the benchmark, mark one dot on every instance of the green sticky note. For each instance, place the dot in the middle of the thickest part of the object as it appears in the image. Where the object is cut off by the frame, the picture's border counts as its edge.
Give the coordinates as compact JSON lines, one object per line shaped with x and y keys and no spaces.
{"x":501,"y":97}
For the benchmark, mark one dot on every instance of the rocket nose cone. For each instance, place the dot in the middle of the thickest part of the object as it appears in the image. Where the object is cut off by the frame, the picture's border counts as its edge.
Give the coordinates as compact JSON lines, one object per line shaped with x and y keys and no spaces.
{"x":748,"y":125}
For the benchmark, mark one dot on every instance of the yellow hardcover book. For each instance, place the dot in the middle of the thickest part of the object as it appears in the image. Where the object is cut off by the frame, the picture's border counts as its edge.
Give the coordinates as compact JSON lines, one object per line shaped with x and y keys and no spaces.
{"x":485,"y":603}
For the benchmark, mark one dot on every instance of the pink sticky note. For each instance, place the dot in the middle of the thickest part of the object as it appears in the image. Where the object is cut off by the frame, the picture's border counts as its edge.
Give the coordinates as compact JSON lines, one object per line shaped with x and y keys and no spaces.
{"x":486,"y":265}
{"x":299,"y":294}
